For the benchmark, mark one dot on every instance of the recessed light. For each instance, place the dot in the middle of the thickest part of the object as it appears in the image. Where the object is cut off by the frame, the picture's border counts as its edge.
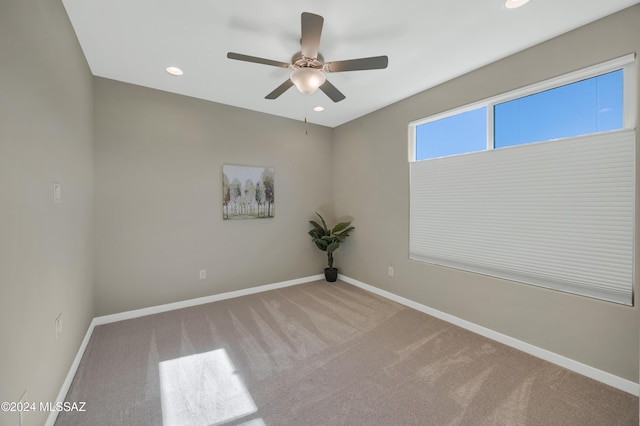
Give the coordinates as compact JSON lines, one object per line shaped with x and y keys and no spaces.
{"x":513,"y":4}
{"x":318,"y":109}
{"x":174,"y":71}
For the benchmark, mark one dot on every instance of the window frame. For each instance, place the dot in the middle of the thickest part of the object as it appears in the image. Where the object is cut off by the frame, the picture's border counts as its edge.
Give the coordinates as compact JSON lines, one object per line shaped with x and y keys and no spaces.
{"x":625,"y":63}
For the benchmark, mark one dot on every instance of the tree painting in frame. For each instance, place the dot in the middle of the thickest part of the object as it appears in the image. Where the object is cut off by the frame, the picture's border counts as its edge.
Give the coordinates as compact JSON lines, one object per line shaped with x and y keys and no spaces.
{"x":247,"y":192}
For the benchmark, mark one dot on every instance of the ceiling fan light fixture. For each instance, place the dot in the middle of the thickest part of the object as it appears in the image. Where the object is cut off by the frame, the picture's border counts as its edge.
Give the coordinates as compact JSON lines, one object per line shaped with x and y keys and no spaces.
{"x":307,"y":80}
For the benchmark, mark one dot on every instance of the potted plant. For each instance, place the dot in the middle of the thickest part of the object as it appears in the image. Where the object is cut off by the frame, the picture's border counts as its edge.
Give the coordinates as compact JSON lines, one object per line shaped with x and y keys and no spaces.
{"x":327,"y":239}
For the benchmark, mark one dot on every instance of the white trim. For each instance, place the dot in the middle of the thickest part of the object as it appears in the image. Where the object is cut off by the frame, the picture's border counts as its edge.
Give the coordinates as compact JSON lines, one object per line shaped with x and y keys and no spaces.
{"x":490,"y":128}
{"x":53,"y":415}
{"x":630,"y":95}
{"x":412,"y":144}
{"x":570,"y":364}
{"x":121,"y":316}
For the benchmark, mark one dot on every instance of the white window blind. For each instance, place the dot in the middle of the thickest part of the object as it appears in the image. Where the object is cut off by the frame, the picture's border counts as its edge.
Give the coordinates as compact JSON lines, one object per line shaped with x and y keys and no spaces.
{"x":556,"y":214}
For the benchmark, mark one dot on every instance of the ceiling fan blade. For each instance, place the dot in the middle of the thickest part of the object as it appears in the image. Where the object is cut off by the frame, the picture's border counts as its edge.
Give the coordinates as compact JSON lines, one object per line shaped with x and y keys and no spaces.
{"x":373,"y":63}
{"x":247,"y":58}
{"x":280,"y":89}
{"x":331,"y":91}
{"x":311,"y":32}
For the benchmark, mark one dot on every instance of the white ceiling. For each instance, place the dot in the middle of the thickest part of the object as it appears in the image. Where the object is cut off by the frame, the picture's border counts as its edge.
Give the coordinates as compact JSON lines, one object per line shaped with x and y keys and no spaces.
{"x":427,"y":42}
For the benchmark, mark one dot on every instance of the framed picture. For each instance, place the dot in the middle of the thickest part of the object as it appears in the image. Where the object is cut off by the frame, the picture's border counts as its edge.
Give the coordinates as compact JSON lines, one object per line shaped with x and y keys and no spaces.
{"x":247,"y":192}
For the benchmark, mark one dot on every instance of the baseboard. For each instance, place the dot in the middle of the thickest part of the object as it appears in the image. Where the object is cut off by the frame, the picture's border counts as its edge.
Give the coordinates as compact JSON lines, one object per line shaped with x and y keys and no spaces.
{"x":53,"y":415}
{"x":201,"y":300}
{"x":568,"y":363}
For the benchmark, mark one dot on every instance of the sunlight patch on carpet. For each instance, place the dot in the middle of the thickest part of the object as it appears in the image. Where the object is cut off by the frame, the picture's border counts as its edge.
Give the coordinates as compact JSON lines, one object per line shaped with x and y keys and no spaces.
{"x":203,"y":389}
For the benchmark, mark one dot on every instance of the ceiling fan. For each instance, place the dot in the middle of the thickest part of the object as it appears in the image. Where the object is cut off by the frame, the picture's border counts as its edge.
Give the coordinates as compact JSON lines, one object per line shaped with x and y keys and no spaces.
{"x":308,"y":66}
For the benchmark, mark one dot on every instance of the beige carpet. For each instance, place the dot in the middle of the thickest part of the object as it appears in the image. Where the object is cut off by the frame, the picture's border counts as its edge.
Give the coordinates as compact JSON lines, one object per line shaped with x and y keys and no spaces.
{"x":323,"y":354}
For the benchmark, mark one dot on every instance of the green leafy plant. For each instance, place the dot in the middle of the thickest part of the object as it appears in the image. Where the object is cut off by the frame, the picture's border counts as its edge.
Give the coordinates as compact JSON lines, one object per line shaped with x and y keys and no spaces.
{"x":327,"y":239}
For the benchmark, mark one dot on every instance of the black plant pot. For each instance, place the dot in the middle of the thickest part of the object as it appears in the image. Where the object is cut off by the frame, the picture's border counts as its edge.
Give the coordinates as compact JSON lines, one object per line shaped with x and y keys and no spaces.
{"x":331,"y":274}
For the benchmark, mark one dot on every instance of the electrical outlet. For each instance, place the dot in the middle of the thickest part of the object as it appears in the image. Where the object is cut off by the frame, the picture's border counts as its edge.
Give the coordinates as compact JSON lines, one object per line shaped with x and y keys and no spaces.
{"x":58,"y":326}
{"x":203,"y":274}
{"x":390,"y":271}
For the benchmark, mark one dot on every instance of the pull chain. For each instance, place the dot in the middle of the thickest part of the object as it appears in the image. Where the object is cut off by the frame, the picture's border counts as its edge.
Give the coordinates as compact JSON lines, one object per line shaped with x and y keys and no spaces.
{"x":306,"y":108}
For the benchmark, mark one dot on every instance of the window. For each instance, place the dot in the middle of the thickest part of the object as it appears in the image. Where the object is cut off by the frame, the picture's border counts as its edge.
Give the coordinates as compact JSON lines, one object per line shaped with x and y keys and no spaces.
{"x":588,"y":106}
{"x":582,"y":103}
{"x":558,"y":214}
{"x":457,"y":134}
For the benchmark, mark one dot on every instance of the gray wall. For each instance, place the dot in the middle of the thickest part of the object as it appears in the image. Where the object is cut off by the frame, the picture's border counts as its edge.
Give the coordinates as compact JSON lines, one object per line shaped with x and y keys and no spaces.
{"x":45,"y":248}
{"x":157,"y":217}
{"x":371,"y":183}
{"x":158,"y":197}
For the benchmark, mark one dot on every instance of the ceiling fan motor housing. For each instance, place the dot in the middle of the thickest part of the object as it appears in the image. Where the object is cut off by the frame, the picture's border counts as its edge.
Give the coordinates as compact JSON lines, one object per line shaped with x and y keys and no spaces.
{"x":300,"y":61}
